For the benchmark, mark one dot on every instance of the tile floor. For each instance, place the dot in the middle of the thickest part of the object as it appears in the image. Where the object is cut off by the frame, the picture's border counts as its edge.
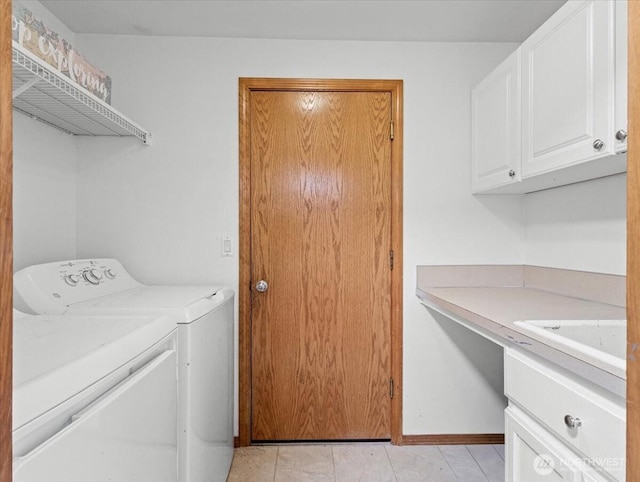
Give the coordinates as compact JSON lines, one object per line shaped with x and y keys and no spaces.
{"x":368,"y":462}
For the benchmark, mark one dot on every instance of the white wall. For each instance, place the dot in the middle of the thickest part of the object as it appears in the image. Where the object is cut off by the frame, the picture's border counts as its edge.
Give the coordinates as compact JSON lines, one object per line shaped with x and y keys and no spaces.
{"x":163,"y":209}
{"x":44,"y":201}
{"x":581,"y":226}
{"x":50,"y":20}
{"x":44,"y":193}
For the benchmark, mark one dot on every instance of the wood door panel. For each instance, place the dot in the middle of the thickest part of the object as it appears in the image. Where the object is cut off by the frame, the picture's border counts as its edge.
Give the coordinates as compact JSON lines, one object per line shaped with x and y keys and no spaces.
{"x":320,"y":224}
{"x":6,"y":240}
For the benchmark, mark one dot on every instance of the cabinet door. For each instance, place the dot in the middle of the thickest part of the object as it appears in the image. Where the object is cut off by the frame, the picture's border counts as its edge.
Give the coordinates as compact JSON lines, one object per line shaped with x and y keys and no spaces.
{"x":495,"y":127}
{"x":534,"y":455}
{"x":568,"y":92}
{"x":620,"y":126}
{"x":531,"y":455}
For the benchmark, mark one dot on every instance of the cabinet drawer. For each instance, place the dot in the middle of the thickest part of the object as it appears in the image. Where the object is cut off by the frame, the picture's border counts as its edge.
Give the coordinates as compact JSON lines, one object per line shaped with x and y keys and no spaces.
{"x":534,"y":454}
{"x":550,"y":395}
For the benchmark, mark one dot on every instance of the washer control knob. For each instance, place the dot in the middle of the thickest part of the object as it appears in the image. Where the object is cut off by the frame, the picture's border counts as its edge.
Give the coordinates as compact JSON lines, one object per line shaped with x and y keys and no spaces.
{"x":109,"y":273}
{"x":71,"y":279}
{"x":93,"y":276}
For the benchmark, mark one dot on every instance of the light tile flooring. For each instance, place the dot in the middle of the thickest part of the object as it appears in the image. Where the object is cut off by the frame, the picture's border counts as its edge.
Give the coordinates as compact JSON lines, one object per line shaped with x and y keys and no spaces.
{"x":368,"y":462}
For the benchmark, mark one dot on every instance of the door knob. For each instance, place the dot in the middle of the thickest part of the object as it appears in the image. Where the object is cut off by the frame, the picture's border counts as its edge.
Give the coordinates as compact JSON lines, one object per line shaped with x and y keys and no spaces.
{"x":621,"y":135}
{"x":262,"y":286}
{"x":598,"y":144}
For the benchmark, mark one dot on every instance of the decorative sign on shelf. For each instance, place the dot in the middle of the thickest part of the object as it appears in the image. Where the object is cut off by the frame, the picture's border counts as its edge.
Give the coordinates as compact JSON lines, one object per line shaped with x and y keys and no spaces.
{"x":34,"y":36}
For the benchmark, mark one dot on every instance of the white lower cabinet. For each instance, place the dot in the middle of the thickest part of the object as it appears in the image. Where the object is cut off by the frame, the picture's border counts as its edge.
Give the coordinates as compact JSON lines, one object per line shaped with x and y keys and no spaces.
{"x":559,"y":426}
{"x":534,"y":454}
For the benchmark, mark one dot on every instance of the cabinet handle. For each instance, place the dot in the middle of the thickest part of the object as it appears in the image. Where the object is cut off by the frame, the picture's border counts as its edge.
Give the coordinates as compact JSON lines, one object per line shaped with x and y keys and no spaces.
{"x":621,"y":135}
{"x":512,"y":173}
{"x":598,"y":145}
{"x":572,"y":422}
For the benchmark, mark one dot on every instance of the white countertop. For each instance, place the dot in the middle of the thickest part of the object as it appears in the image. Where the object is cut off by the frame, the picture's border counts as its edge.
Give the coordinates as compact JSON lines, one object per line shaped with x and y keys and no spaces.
{"x":492,"y":310}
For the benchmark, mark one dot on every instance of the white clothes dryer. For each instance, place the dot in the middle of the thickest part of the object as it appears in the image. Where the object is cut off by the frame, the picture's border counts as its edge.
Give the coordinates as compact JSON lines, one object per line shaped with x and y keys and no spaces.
{"x":204,"y":318}
{"x":94,"y":398}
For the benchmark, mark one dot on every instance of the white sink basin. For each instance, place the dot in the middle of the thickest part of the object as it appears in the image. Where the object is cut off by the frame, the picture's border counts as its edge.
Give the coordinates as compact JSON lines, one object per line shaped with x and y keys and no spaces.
{"x":602,"y":343}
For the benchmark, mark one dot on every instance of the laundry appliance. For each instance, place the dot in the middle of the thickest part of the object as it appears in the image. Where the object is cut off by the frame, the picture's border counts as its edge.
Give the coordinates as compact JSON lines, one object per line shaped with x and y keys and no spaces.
{"x":94,"y":398}
{"x":205,"y":353}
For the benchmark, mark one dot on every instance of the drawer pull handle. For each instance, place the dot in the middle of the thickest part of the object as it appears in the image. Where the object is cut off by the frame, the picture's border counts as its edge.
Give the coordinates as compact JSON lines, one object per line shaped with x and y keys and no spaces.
{"x":572,"y":422}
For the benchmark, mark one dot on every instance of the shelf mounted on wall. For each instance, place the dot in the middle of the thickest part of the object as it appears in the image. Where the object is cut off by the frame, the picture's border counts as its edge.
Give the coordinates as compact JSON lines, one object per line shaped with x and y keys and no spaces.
{"x":42,"y":93}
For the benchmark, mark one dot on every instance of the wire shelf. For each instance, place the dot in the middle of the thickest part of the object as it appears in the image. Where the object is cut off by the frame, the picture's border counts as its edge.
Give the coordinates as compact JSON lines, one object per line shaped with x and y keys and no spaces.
{"x":46,"y":95}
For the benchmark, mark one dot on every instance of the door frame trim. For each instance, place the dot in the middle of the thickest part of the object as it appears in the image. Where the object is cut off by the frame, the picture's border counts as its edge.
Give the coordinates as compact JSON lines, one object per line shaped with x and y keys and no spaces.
{"x":6,"y":242}
{"x":246,"y":86}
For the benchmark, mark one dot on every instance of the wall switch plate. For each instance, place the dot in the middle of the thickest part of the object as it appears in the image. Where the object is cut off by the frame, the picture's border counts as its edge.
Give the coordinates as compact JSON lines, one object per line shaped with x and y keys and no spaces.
{"x":227,"y":246}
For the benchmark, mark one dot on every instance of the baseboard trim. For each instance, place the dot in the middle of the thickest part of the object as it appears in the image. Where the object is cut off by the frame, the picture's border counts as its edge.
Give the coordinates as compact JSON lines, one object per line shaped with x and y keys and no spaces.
{"x":454,"y":439}
{"x":441,"y":439}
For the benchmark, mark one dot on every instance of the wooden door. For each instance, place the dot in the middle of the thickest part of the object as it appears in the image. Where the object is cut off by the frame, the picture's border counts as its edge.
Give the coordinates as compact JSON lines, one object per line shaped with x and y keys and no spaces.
{"x":321,"y":239}
{"x":6,"y":243}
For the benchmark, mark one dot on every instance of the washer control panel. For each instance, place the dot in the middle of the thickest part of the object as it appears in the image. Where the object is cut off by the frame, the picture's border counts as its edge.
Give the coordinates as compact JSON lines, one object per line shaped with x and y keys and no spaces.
{"x":53,"y":287}
{"x":91,"y":271}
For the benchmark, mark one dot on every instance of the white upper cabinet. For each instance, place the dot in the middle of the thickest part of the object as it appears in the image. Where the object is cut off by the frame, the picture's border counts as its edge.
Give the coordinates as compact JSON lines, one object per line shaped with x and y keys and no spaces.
{"x":495,"y":133}
{"x":573,"y":116}
{"x":620,"y":125}
{"x":567,"y":87}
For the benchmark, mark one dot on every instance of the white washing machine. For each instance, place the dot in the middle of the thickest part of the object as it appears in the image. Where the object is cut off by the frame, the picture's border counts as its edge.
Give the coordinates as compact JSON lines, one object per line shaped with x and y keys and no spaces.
{"x":94,"y":398}
{"x":204,"y":317}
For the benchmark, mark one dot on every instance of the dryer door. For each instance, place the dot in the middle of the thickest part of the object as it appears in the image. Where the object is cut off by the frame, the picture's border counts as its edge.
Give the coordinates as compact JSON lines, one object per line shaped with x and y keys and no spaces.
{"x":129,"y":434}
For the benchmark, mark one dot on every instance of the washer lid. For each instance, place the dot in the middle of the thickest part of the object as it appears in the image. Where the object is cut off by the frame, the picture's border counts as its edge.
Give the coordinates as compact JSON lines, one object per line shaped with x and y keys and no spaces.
{"x":173,"y":301}
{"x":56,"y":357}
